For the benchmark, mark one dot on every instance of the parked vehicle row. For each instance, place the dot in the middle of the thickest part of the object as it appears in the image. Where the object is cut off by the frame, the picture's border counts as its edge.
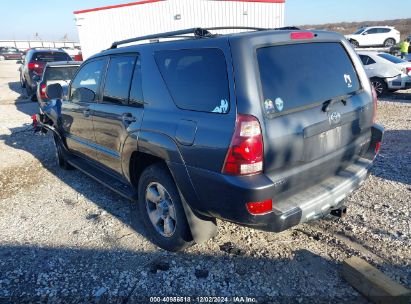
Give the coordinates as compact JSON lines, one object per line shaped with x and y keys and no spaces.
{"x":10,"y":53}
{"x":386,"y":72}
{"x":199,"y":129}
{"x":33,"y":65}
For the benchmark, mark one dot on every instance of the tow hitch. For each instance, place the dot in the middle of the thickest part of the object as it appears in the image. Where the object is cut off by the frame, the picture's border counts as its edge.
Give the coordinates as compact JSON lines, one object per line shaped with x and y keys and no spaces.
{"x":340,"y":212}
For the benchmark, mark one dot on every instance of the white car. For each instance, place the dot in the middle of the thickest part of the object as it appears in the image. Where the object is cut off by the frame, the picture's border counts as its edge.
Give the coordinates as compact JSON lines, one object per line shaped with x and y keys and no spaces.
{"x":386,"y":72}
{"x":386,"y":36}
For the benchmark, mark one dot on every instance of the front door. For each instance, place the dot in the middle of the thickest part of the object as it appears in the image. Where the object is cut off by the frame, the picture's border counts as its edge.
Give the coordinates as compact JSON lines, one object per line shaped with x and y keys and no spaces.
{"x":76,"y":111}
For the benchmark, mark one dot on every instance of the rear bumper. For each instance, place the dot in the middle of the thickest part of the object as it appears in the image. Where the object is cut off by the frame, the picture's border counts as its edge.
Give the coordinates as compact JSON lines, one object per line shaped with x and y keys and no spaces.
{"x":225,"y":196}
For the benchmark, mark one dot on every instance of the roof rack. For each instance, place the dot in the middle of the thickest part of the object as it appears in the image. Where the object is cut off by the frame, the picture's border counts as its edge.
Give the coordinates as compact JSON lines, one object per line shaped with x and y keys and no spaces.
{"x":197,"y":31}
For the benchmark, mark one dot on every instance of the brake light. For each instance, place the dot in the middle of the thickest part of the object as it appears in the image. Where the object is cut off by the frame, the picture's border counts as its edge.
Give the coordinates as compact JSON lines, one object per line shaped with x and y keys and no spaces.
{"x":43,"y":94}
{"x":258,"y":208}
{"x":245,"y":154}
{"x":374,"y":101}
{"x":32,"y":65}
{"x":302,"y":35}
{"x":408,"y":70}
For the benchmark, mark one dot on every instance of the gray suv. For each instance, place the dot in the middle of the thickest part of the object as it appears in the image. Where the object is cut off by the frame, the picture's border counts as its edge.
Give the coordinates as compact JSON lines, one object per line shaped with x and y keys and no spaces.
{"x":264,"y":128}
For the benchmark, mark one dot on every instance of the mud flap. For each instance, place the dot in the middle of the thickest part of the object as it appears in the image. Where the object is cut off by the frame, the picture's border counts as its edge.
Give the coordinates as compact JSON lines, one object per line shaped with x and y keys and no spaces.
{"x":202,"y":228}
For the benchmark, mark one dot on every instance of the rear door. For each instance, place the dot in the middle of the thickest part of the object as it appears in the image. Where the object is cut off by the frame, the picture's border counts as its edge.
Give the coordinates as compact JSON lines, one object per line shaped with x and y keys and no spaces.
{"x":120,"y":110}
{"x":76,"y":111}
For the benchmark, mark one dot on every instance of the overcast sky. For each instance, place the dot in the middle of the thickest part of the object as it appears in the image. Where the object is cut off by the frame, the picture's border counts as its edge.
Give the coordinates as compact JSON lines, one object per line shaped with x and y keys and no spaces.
{"x":53,"y":19}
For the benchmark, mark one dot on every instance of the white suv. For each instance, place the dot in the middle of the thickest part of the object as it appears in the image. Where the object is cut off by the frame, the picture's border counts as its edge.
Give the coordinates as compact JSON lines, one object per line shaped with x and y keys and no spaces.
{"x":375,"y":36}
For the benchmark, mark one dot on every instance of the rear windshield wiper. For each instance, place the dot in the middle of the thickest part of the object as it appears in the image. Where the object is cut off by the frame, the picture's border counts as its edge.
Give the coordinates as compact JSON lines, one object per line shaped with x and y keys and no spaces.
{"x":328,"y":103}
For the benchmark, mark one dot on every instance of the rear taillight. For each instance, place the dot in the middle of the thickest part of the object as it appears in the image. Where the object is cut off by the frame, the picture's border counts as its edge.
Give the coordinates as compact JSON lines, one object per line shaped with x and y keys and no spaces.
{"x":245,"y":154}
{"x":43,"y":94}
{"x":258,"y":208}
{"x":377,"y":147}
{"x":407,"y":70}
{"x":374,"y":101}
{"x":302,"y":35}
{"x":32,"y":66}
{"x":36,"y":67}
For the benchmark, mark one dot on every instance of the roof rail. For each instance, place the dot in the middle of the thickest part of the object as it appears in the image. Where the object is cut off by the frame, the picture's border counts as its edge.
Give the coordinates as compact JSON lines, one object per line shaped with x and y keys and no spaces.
{"x":197,"y":31}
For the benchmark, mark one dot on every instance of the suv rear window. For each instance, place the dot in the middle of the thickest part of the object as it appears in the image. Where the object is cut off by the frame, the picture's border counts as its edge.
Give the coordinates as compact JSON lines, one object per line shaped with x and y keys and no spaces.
{"x":50,"y":56}
{"x":60,"y":73}
{"x":298,"y":75}
{"x":196,"y":78}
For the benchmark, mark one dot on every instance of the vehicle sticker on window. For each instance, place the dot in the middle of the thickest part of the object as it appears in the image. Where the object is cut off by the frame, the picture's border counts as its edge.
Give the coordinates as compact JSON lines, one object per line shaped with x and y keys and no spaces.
{"x":279,"y":104}
{"x":269,"y":106}
{"x":222,"y":108}
{"x":348,"y":81}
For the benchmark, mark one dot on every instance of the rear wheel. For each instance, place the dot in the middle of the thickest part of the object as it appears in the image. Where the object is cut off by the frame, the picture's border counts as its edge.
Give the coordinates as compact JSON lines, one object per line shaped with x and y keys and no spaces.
{"x":389,"y":42}
{"x":22,"y":83}
{"x":380,"y":86}
{"x":162,"y":210}
{"x":60,"y":157}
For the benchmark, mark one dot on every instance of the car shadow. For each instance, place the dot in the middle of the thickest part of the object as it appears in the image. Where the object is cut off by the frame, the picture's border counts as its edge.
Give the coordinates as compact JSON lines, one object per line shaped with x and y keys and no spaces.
{"x":398,"y":96}
{"x":15,"y":86}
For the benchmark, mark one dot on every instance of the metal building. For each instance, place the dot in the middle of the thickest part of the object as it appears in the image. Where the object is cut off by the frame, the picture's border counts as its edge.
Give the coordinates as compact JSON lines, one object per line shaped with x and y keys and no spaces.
{"x":99,"y":27}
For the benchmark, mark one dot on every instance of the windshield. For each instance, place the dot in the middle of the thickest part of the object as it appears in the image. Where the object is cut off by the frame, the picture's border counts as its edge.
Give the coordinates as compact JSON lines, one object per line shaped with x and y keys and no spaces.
{"x":60,"y":73}
{"x":391,"y":58}
{"x":298,"y":75}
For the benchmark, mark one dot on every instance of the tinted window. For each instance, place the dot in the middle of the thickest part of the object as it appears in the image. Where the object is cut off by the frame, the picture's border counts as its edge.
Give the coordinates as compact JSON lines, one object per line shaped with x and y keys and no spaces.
{"x":60,"y":73}
{"x":297,"y":75}
{"x":384,"y":30}
{"x":136,"y":91}
{"x":196,"y":79}
{"x":118,"y":79}
{"x":50,"y":56}
{"x":359,"y":32}
{"x":366,"y":60}
{"x":391,"y":58}
{"x":88,"y":77}
{"x":372,"y":31}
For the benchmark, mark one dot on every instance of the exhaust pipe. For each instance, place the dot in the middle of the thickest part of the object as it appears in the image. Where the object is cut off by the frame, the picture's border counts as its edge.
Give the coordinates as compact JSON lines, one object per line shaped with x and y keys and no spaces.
{"x":340,"y":212}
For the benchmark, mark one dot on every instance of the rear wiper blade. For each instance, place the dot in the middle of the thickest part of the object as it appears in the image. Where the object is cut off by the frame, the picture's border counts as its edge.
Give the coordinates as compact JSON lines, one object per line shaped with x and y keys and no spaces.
{"x":328,"y":103}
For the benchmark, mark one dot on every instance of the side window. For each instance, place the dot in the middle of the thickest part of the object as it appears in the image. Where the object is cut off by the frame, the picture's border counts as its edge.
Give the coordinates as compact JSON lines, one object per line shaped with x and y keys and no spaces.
{"x":196,"y":78}
{"x":366,"y":60}
{"x":118,"y":79}
{"x":84,"y":86}
{"x":384,"y":30}
{"x":136,"y":91}
{"x":372,"y":31}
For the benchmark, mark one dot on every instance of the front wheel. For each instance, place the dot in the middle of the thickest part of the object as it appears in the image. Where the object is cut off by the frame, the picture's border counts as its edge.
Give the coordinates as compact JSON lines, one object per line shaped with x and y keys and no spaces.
{"x":380,"y":86}
{"x":161,"y":209}
{"x":389,"y":42}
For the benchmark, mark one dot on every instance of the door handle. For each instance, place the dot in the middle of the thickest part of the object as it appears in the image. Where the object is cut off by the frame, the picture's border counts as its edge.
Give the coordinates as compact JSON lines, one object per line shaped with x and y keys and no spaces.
{"x":128,"y":118}
{"x":86,"y":113}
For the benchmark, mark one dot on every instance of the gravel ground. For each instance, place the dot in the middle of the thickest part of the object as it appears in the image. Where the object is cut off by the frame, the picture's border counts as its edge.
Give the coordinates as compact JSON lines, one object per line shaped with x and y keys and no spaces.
{"x":65,"y":238}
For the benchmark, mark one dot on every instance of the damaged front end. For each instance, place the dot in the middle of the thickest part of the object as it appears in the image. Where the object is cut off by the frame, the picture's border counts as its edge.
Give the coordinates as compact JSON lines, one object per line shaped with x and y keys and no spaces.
{"x":49,"y":117}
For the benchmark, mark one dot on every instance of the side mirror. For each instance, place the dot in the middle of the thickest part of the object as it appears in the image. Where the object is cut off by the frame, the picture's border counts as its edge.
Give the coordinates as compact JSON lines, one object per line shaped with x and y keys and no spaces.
{"x":365,"y":33}
{"x":36,"y":77}
{"x":54,"y":91}
{"x":83,"y":95}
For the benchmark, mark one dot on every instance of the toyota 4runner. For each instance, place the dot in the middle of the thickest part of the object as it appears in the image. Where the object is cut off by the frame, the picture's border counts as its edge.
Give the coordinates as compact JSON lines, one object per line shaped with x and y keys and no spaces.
{"x":263,"y":128}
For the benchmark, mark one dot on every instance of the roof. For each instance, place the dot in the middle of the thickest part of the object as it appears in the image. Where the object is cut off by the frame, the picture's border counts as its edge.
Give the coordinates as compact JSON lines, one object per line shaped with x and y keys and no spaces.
{"x":153,"y":1}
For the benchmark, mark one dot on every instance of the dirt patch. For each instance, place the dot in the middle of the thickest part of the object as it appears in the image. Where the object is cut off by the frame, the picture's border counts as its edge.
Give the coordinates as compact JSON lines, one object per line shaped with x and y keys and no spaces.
{"x":15,"y":179}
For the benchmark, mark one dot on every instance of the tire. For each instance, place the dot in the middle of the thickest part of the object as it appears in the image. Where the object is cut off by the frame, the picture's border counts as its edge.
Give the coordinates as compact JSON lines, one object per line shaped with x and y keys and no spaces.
{"x":158,"y":196}
{"x":355,"y":43}
{"x":29,"y":92}
{"x":389,"y":42}
{"x":2,"y":58}
{"x":380,"y":86}
{"x":61,"y":161}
